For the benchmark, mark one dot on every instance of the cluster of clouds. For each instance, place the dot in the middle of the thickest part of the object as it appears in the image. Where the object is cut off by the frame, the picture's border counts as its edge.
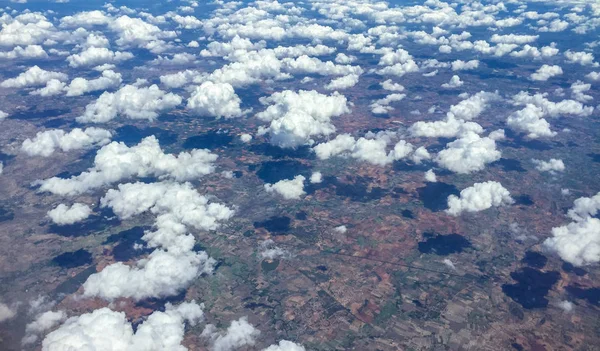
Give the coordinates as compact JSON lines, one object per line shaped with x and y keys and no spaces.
{"x":45,"y":143}
{"x":116,"y":161}
{"x":371,"y":148}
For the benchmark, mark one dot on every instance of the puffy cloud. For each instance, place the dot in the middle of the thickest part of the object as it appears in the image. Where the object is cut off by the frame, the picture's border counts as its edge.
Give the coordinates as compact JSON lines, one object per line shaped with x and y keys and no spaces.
{"x":552,"y":109}
{"x":104,"y":329}
{"x":530,"y":120}
{"x":295,"y":117}
{"x":499,"y":50}
{"x":45,"y":143}
{"x":430,"y":176}
{"x":162,"y":274}
{"x":582,"y":58}
{"x":218,"y":49}
{"x":555,"y":26}
{"x":566,"y":306}
{"x":134,"y":32}
{"x":285,"y":345}
{"x":216,"y":100}
{"x":514,"y":38}
{"x":382,"y":106}
{"x":468,"y":154}
{"x":3,"y":115}
{"x":34,"y":76}
{"x":472,"y":107}
{"x":344,"y":82}
{"x":94,"y":56}
{"x":289,"y":189}
{"x":553,"y":165}
{"x":245,"y":138}
{"x":316,"y":177}
{"x":27,"y":29}
{"x":53,"y":87}
{"x":577,"y":242}
{"x":448,"y":128}
{"x":43,"y":322}
{"x":391,"y":86}
{"x":454,"y":82}
{"x":344,"y":59}
{"x":64,"y":214}
{"x":595,"y":76}
{"x":131,"y":101}
{"x":116,"y":161}
{"x":29,"y":52}
{"x":270,"y":252}
{"x":239,"y":333}
{"x":460,"y":65}
{"x":306,"y":64}
{"x":174,"y":264}
{"x":479,"y":197}
{"x":533,"y":52}
{"x":546,"y":72}
{"x":579,"y":89}
{"x":80,"y":86}
{"x":372,"y":148}
{"x":85,"y":19}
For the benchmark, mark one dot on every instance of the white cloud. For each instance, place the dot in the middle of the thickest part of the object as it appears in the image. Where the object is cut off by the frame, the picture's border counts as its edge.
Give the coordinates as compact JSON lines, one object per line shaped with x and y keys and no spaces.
{"x":270,"y":251}
{"x":472,"y":107}
{"x":64,"y":214}
{"x":344,"y":59}
{"x":80,"y":86}
{"x":239,"y":333}
{"x":391,"y":86}
{"x":45,"y":143}
{"x":530,"y":120}
{"x":53,"y":87}
{"x":246,"y":138}
{"x":29,"y":52}
{"x":454,"y":82}
{"x":552,"y":165}
{"x":430,"y":176}
{"x":577,"y":242}
{"x":468,"y":154}
{"x":295,"y":117}
{"x":566,"y":306}
{"x":344,"y":82}
{"x":546,"y":72}
{"x":479,"y":197}
{"x":289,"y":189}
{"x":34,"y":76}
{"x":341,"y":229}
{"x":116,"y":161}
{"x":582,"y":58}
{"x":316,"y":177}
{"x":104,"y":329}
{"x":555,"y":26}
{"x":535,"y":53}
{"x":514,"y":38}
{"x":382,"y":106}
{"x":130,"y":101}
{"x":305,"y":64}
{"x":43,"y":322}
{"x":134,"y":32}
{"x":85,"y":19}
{"x":595,"y":76}
{"x":94,"y":56}
{"x":552,"y":109}
{"x":460,"y":65}
{"x":216,"y":100}
{"x":579,"y":89}
{"x":3,"y":115}
{"x":285,"y":345}
{"x":448,"y":128}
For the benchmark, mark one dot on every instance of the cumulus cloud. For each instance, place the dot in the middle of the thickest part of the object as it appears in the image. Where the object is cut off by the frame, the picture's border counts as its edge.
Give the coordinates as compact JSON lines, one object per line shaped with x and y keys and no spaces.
{"x":216,"y":100}
{"x":514,"y":38}
{"x":550,"y":108}
{"x":28,"y":52}
{"x":579,"y":89}
{"x":94,"y":56}
{"x":34,"y":76}
{"x":130,"y":101}
{"x":289,"y":189}
{"x":53,"y":87}
{"x":6,"y":312}
{"x":382,"y":105}
{"x":116,"y":161}
{"x":316,"y":177}
{"x":391,"y":86}
{"x":454,"y":82}
{"x":80,"y":86}
{"x":102,"y":327}
{"x":239,"y":333}
{"x":468,"y":154}
{"x":270,"y":251}
{"x":448,"y":128}
{"x":473,"y":106}
{"x":546,"y":72}
{"x":577,"y":242}
{"x":582,"y":58}
{"x":295,"y":117}
{"x":344,"y":82}
{"x":460,"y":65}
{"x":45,"y":143}
{"x":430,"y":176}
{"x":530,"y":120}
{"x":135,"y":32}
{"x":553,"y":165}
{"x":535,"y":53}
{"x":64,"y":214}
{"x":479,"y":197}
{"x":285,"y":345}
